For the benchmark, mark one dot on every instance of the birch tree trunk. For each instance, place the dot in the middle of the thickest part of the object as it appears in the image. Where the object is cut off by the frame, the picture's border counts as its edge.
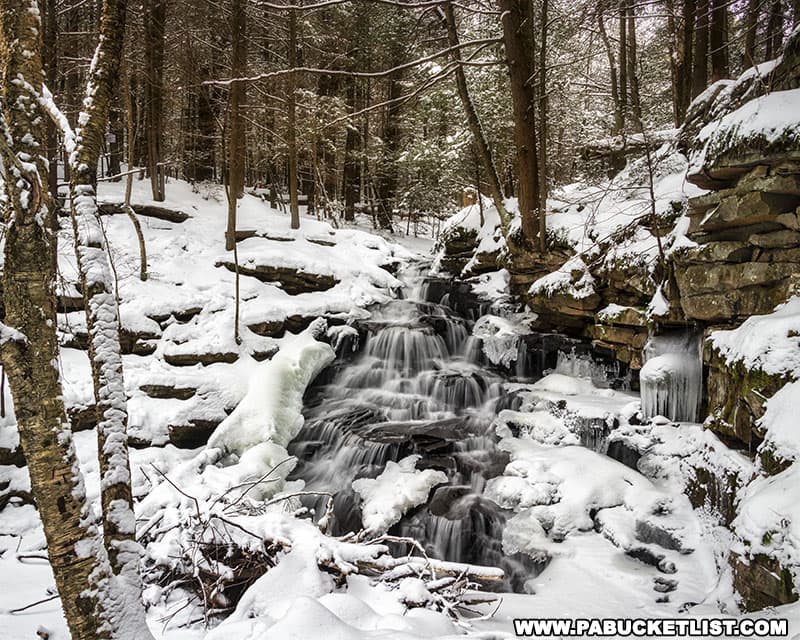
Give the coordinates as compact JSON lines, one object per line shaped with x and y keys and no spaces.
{"x":102,"y":320}
{"x":94,"y":602}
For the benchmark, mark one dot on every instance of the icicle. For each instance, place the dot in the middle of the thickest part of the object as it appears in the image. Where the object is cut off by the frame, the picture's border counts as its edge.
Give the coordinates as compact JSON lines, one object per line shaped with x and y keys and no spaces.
{"x":672,"y":377}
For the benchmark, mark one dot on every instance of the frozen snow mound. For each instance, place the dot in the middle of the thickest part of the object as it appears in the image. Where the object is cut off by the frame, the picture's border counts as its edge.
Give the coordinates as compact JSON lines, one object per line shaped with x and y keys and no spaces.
{"x":572,"y":278}
{"x":769,"y":342}
{"x":271,"y":410}
{"x":246,"y":455}
{"x":765,"y":127}
{"x":399,"y":488}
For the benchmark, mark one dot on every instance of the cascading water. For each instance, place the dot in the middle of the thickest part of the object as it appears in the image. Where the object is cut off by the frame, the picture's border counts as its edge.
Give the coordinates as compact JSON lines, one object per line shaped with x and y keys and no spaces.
{"x":416,"y":388}
{"x":672,"y":377}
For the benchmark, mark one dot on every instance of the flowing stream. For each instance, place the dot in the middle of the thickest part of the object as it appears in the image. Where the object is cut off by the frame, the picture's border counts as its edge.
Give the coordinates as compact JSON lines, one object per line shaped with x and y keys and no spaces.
{"x":416,"y":386}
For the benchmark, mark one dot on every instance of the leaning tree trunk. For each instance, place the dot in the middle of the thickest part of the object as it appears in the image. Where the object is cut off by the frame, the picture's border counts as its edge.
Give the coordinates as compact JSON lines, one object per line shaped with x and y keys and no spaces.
{"x":520,"y":50}
{"x":473,"y":121}
{"x":28,"y":343}
{"x":102,"y":317}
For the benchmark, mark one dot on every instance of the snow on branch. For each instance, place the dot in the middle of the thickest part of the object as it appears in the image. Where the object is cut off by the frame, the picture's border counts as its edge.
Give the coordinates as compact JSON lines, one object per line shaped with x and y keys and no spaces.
{"x":9,"y":334}
{"x":58,"y":117}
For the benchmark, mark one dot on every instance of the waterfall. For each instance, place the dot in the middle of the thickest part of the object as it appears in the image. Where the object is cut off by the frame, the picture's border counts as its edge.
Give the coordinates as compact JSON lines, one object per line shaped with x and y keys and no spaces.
{"x":672,"y":376}
{"x":418,"y":386}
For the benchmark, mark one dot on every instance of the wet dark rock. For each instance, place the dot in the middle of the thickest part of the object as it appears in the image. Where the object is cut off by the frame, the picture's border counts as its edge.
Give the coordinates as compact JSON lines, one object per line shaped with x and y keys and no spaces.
{"x":624,"y":453}
{"x":180,"y":315}
{"x":264,"y":354}
{"x":444,"y":500}
{"x":82,"y":418}
{"x":427,"y":435}
{"x":140,"y":343}
{"x":762,"y":582}
{"x":664,"y":585}
{"x":293,"y":281}
{"x":191,"y":359}
{"x":268,"y":328}
{"x":168,"y":391}
{"x":12,"y":457}
{"x":650,"y":532}
{"x":192,"y":435}
{"x":648,"y":556}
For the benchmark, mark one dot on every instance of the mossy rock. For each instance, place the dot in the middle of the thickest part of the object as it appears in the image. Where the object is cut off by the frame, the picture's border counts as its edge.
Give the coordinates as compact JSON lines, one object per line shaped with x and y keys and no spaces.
{"x":762,"y":582}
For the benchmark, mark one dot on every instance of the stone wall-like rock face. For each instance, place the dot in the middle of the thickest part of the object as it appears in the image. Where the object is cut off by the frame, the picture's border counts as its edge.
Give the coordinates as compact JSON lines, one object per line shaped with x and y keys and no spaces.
{"x":746,"y":261}
{"x":761,"y":582}
{"x":745,"y":148}
{"x":736,"y":399}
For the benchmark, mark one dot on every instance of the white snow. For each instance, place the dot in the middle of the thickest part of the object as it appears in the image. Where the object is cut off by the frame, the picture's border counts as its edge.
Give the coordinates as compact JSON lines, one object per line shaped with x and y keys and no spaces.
{"x":400,"y":487}
{"x":770,"y":342}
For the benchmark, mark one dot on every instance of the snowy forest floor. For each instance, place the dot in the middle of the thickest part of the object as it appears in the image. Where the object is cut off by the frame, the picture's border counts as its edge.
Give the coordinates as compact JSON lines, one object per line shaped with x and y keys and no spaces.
{"x":185,"y":373}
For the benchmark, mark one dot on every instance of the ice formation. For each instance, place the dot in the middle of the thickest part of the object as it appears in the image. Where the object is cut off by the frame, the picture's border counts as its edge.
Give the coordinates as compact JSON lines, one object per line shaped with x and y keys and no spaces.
{"x":672,"y":377}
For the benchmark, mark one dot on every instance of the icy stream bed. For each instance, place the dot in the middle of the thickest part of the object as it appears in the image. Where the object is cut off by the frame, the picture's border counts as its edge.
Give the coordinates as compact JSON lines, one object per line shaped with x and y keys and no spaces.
{"x":522,"y":476}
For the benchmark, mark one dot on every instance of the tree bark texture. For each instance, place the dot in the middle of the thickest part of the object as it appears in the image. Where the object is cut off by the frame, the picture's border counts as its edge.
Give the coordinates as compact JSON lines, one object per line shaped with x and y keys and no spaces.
{"x":517,"y":17}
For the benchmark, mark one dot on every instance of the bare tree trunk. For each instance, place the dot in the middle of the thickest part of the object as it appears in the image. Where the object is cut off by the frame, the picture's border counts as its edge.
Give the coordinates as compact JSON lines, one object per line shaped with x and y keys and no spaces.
{"x":473,"y":121}
{"x":387,"y":180}
{"x":543,"y":128}
{"x":352,"y":166}
{"x":688,"y":61}
{"x":50,"y":57}
{"x":775,"y":29}
{"x":674,"y":63}
{"x":700,"y":73}
{"x":291,"y":134}
{"x":751,"y":31}
{"x":719,"y":40}
{"x":612,"y":65}
{"x":633,"y":72}
{"x":236,"y":139}
{"x":520,"y":51}
{"x":623,"y":64}
{"x":155,"y":13}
